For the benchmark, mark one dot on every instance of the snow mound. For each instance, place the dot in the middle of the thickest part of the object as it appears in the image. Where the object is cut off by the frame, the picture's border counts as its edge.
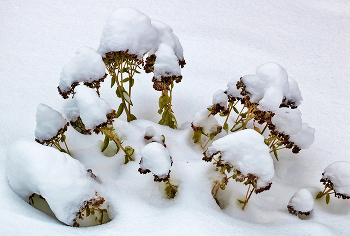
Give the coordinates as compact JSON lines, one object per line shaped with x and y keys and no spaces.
{"x":155,"y":158}
{"x":245,"y":151}
{"x":302,"y":201}
{"x":268,"y":87}
{"x":48,"y":123}
{"x":93,"y":109}
{"x":129,"y":30}
{"x":86,"y":66}
{"x":338,"y":174}
{"x":287,"y":121}
{"x":63,"y":181}
{"x":304,"y":138}
{"x":166,"y":63}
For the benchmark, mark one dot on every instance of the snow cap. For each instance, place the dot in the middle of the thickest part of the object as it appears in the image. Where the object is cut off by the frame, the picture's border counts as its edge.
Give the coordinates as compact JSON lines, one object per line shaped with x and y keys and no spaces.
{"x":287,"y":121}
{"x":48,"y":122}
{"x":220,"y":98}
{"x":203,"y":119}
{"x":232,"y":90}
{"x":304,"y":138}
{"x":339,"y":174}
{"x":127,"y":29}
{"x":302,"y":201}
{"x":166,"y":63}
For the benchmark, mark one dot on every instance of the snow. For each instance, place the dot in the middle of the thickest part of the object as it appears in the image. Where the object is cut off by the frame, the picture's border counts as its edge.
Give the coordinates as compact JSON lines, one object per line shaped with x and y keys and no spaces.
{"x":152,"y":136}
{"x":156,"y":158}
{"x":127,"y":29}
{"x":48,"y":122}
{"x":71,"y":109}
{"x":232,"y":90}
{"x":304,"y":138}
{"x":166,"y":63}
{"x":302,"y":201}
{"x":287,"y":121}
{"x":221,"y":40}
{"x":203,"y":119}
{"x":268,"y":86}
{"x":60,"y":179}
{"x":339,"y":174}
{"x":92,"y":108}
{"x":86,"y":66}
{"x":220,"y":98}
{"x":294,"y":94}
{"x":246,"y":151}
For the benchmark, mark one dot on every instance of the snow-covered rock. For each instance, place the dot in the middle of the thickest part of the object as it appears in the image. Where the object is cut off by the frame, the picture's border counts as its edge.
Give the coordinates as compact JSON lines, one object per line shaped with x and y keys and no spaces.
{"x":128,"y":29}
{"x":86,"y":66}
{"x":338,"y":175}
{"x":48,"y":123}
{"x":245,"y":151}
{"x":63,"y":181}
{"x":302,"y":202}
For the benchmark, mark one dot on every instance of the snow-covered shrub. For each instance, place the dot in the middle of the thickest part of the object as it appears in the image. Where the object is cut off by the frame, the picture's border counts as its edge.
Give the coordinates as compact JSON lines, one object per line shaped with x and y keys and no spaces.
{"x":302,"y":202}
{"x":204,"y":124}
{"x":50,"y":127}
{"x":245,"y":154}
{"x":336,"y":179}
{"x":156,"y":158}
{"x":64,"y":182}
{"x":87,"y":66}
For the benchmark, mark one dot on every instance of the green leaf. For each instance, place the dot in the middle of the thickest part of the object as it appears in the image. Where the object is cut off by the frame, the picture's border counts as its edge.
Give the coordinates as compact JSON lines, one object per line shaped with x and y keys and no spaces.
{"x":112,"y":81}
{"x":328,"y":198}
{"x":209,"y":109}
{"x":240,"y":201}
{"x":137,"y":72}
{"x":221,"y":114}
{"x":105,"y":144}
{"x":235,"y":109}
{"x":120,"y":110}
{"x":63,"y":138}
{"x":225,"y":127}
{"x":87,"y":211}
{"x":133,"y":117}
{"x":319,"y":195}
{"x":212,"y":136}
{"x":275,"y":152}
{"x":132,"y":81}
{"x":243,"y":115}
{"x":129,"y":150}
{"x":126,"y":80}
{"x":125,"y":70}
{"x":160,"y":111}
{"x":162,"y":101}
{"x":118,"y":93}
{"x":92,"y":211}
{"x":236,"y":127}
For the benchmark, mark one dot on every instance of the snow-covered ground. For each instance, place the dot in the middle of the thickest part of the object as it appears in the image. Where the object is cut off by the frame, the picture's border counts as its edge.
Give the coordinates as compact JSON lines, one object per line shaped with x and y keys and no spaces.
{"x":221,"y":40}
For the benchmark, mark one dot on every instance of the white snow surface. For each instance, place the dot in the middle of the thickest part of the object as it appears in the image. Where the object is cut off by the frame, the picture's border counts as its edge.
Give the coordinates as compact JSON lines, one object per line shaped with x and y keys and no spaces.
{"x":302,"y":201}
{"x":128,"y":29}
{"x":48,"y":122}
{"x":339,"y":173}
{"x":294,"y":94}
{"x":246,"y":151}
{"x":221,"y":40}
{"x":92,"y":108}
{"x":304,"y":138}
{"x":71,"y":109}
{"x":86,"y":66}
{"x":220,"y":98}
{"x":268,"y":86}
{"x":155,"y":137}
{"x":208,"y":122}
{"x":156,"y":158}
{"x":166,"y":63}
{"x":232,"y":90}
{"x":60,"y":179}
{"x":287,"y":121}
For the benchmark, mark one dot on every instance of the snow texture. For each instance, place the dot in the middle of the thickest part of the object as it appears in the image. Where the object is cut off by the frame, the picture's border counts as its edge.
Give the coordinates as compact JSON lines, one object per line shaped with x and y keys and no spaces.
{"x":92,"y":108}
{"x":86,"y":66}
{"x":268,"y":87}
{"x":128,"y":29}
{"x":71,"y":109}
{"x":304,"y":138}
{"x":166,"y":63}
{"x":60,"y":179}
{"x":220,"y":98}
{"x":166,"y":35}
{"x":302,"y":201}
{"x":294,"y":94}
{"x":232,"y":90}
{"x":246,"y":151}
{"x":287,"y":121}
{"x":156,"y":158}
{"x":208,"y":122}
{"x":48,"y":122}
{"x":152,"y":136}
{"x":339,"y":174}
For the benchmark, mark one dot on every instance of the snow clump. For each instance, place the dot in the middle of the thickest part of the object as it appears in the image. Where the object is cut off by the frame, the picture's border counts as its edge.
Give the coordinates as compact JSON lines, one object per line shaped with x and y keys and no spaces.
{"x":127,"y":30}
{"x":245,"y":151}
{"x":87,"y":66}
{"x":304,"y":138}
{"x":166,"y":63}
{"x":63,"y":181}
{"x":287,"y":121}
{"x":151,"y":135}
{"x":155,"y":158}
{"x":337,"y":175}
{"x":232,"y":91}
{"x":204,"y":122}
{"x":49,"y":123}
{"x":220,"y":99}
{"x":302,"y":202}
{"x":293,"y":98}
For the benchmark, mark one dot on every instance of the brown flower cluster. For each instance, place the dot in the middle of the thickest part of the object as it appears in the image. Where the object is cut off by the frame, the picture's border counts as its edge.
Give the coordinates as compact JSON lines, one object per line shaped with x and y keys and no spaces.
{"x":328,"y":183}
{"x":90,"y":206}
{"x":291,"y":210}
{"x":55,"y":138}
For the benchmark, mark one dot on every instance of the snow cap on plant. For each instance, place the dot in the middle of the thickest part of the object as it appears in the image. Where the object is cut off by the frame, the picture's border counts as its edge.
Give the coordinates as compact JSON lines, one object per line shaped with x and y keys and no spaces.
{"x":267,"y":87}
{"x":287,"y":121}
{"x":127,"y":30}
{"x":155,"y":158}
{"x":49,"y":124}
{"x":220,"y":100}
{"x":151,"y":135}
{"x":204,"y":123}
{"x":246,"y":152}
{"x":302,"y":202}
{"x":293,"y":99}
{"x":87,"y":66}
{"x":94,"y":111}
{"x":232,"y":91}
{"x":304,"y":138}
{"x":337,"y":177}
{"x":62,"y":180}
